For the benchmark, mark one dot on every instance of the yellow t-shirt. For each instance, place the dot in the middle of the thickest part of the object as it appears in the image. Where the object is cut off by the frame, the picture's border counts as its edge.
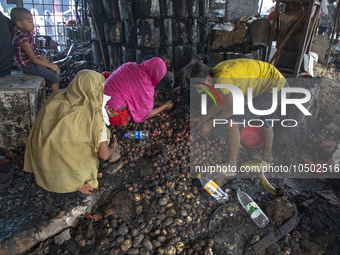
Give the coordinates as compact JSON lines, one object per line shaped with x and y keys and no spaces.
{"x":244,"y":73}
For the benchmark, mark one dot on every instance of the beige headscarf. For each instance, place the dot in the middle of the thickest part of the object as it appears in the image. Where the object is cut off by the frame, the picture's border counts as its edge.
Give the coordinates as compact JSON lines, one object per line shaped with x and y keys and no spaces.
{"x":62,"y":148}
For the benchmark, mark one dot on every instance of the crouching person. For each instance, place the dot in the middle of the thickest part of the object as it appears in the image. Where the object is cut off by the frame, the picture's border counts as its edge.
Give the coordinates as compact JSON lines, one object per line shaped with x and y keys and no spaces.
{"x":68,"y":136}
{"x":242,"y":73}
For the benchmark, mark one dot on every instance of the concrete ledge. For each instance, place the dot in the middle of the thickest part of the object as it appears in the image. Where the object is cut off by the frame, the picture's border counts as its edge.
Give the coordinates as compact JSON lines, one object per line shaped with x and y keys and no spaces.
{"x":18,"y":82}
{"x":21,"y":97}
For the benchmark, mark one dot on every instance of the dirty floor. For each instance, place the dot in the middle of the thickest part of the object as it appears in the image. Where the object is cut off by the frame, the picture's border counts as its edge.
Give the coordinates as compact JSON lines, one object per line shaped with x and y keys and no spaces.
{"x":152,"y":206}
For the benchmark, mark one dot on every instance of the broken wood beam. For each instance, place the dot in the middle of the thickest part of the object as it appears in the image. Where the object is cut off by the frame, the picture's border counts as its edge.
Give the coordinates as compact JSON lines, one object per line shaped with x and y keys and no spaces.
{"x":274,"y":237}
{"x":303,"y":14}
{"x":272,"y":31}
{"x":314,"y":27}
{"x":303,"y":40}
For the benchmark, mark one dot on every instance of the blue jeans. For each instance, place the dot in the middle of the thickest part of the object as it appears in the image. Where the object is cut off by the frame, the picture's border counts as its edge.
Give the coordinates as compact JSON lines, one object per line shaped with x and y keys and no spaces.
{"x":42,"y":71}
{"x":263,"y":102}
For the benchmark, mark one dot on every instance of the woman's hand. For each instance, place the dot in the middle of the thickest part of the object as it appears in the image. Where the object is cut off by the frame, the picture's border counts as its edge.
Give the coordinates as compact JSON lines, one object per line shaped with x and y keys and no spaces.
{"x":195,"y":123}
{"x":105,"y":151}
{"x":168,"y":105}
{"x":114,"y":146}
{"x":206,"y":128}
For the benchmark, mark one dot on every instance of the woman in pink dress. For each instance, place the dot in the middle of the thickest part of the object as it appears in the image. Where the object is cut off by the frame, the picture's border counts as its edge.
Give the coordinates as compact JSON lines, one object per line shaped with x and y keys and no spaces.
{"x":131,"y":88}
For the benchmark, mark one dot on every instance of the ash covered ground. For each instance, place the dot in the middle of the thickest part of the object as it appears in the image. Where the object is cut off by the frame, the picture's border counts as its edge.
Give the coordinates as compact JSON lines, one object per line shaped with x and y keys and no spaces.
{"x":152,"y":206}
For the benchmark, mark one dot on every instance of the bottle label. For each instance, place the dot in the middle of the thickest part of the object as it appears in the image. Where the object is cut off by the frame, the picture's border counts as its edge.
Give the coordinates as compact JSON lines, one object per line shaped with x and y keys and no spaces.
{"x":138,"y":134}
{"x":211,"y":187}
{"x":251,"y":207}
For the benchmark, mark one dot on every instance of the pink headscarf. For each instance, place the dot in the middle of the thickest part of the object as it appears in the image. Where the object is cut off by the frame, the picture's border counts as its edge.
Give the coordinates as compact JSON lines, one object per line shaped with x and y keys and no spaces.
{"x":133,"y":86}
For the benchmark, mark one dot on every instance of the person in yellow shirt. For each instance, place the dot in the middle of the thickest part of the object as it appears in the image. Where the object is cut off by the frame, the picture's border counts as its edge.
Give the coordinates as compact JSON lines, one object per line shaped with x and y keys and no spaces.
{"x":262,"y":77}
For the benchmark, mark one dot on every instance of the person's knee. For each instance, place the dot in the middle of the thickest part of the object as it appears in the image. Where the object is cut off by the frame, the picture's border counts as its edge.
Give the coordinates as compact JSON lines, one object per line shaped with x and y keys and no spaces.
{"x":232,"y":125}
{"x":54,"y":87}
{"x":267,"y":128}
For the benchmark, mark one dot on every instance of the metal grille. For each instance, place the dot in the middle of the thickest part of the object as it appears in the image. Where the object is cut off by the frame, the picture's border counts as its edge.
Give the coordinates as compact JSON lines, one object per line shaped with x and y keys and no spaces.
{"x":48,"y":16}
{"x":62,"y":32}
{"x":5,"y":8}
{"x":218,"y":9}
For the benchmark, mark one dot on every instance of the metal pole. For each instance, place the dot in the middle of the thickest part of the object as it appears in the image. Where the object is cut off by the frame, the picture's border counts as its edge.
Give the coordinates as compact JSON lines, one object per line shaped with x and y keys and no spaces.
{"x":19,"y":3}
{"x":226,"y":10}
{"x":337,"y":29}
{"x":260,"y":7}
{"x":335,"y":26}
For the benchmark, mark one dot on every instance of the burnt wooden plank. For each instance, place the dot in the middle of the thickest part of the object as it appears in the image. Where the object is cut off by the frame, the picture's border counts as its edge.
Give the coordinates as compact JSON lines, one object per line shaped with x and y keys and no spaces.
{"x":274,"y":237}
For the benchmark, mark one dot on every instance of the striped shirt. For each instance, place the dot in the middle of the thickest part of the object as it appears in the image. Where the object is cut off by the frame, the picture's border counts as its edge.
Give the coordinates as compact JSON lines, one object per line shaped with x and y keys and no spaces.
{"x":20,"y":56}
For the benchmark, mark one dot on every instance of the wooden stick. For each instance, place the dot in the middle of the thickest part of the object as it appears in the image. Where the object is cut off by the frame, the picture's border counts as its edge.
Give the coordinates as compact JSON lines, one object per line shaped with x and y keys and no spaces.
{"x":313,"y":30}
{"x":100,"y":41}
{"x":272,"y":31}
{"x":302,"y":44}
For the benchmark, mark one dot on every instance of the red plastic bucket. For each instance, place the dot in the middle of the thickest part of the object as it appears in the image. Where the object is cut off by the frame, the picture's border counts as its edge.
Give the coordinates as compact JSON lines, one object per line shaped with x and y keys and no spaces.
{"x":251,"y":137}
{"x":106,"y":74}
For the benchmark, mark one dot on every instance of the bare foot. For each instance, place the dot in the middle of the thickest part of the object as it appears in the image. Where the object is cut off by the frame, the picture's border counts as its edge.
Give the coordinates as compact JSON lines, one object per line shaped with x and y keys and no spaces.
{"x":228,"y":173}
{"x":265,"y":157}
{"x":222,"y":181}
{"x":86,"y":189}
{"x":231,"y":169}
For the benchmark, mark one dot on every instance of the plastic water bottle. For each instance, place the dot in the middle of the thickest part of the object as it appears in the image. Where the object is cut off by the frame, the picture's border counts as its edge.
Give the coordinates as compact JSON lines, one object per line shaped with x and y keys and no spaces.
{"x":255,"y":212}
{"x":137,"y":134}
{"x":213,"y":189}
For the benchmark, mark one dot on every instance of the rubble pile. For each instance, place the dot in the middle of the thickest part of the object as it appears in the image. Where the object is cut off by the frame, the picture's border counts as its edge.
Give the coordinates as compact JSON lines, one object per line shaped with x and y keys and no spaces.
{"x":151,"y":205}
{"x":169,"y":136}
{"x":162,"y":211}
